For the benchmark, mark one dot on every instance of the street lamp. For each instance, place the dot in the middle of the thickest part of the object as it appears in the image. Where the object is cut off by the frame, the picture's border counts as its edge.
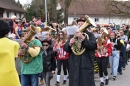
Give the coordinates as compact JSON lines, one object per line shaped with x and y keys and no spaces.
{"x":45,"y":11}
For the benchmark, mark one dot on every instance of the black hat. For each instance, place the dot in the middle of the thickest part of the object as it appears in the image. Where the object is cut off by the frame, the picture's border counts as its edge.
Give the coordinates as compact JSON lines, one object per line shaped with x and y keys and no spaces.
{"x":81,"y":19}
{"x":46,"y":40}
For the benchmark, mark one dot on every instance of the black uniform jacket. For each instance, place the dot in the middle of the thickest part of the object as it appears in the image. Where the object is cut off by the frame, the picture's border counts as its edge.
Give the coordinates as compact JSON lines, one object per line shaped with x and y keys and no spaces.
{"x":82,"y":66}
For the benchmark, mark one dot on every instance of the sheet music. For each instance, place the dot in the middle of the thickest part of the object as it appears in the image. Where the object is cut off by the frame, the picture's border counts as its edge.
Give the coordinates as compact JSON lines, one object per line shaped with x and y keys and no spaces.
{"x":71,"y":30}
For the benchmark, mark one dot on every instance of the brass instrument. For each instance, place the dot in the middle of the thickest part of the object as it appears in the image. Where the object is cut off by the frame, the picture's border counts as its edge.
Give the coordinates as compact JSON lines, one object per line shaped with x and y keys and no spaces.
{"x":77,"y":48}
{"x":26,"y":58}
{"x":51,"y":31}
{"x":101,"y":42}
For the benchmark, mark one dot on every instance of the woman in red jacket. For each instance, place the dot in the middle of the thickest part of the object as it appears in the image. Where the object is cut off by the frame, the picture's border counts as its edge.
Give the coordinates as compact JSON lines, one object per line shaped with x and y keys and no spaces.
{"x":62,"y":57}
{"x":104,"y":49}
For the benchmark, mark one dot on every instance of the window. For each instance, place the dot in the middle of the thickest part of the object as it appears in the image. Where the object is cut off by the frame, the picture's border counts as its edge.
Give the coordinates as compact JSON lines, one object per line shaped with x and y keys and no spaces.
{"x":7,"y":14}
{"x":15,"y":14}
{"x":75,"y":18}
{"x":96,"y":19}
{"x":19,"y":15}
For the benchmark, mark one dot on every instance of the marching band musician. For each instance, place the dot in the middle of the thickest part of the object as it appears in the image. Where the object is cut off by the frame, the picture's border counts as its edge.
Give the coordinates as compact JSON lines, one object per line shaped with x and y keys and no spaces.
{"x":81,"y":67}
{"x":30,"y":71}
{"x":8,"y":52}
{"x":115,"y":56}
{"x":61,"y":56}
{"x":104,"y":49}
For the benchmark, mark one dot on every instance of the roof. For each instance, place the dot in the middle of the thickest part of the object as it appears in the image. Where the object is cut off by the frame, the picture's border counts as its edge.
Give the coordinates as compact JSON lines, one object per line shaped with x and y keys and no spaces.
{"x":90,"y":7}
{"x":10,"y":5}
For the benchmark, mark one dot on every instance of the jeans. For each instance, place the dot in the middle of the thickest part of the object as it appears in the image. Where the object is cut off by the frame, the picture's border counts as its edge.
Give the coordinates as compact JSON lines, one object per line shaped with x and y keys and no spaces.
{"x":47,"y":76}
{"x":102,"y":64}
{"x":123,"y":50}
{"x":41,"y":75}
{"x":114,"y":62}
{"x":27,"y":79}
{"x":120,"y":65}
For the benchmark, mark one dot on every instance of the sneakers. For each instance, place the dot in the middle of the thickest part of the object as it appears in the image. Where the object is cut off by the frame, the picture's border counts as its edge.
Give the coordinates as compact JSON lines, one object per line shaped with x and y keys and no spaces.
{"x":106,"y":82}
{"x":114,"y":77}
{"x":57,"y":83}
{"x":64,"y":82}
{"x":102,"y":84}
{"x":41,"y":82}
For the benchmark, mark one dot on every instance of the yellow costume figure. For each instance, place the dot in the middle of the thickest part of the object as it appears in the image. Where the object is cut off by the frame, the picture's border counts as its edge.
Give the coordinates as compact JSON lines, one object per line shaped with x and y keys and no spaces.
{"x":8,"y":52}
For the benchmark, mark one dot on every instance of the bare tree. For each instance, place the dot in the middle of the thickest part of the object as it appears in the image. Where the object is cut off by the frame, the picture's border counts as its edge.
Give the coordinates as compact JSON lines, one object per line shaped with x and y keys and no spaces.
{"x":119,"y":8}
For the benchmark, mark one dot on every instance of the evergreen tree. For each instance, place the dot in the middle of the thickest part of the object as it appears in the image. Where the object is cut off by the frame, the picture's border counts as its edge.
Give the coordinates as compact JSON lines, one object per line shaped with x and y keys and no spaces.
{"x":37,"y":9}
{"x":19,"y":4}
{"x":60,"y":17}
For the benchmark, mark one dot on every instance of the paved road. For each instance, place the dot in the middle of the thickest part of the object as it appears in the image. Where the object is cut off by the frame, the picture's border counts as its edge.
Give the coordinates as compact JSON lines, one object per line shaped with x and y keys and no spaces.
{"x":122,"y":80}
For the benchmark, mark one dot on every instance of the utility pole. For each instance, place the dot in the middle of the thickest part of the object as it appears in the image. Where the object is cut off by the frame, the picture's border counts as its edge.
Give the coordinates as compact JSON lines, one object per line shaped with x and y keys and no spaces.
{"x":46,"y":11}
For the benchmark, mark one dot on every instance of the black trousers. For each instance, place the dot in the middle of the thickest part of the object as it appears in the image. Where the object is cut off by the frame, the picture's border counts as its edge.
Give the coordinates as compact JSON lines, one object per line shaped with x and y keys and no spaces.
{"x":102,"y":64}
{"x":65,"y":66}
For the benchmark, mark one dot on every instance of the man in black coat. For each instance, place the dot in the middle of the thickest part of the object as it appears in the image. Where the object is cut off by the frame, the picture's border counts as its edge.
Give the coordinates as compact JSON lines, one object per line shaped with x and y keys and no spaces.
{"x":82,"y":66}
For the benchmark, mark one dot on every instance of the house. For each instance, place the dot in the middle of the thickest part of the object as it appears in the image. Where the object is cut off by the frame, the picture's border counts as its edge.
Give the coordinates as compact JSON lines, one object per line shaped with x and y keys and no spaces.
{"x":98,"y":10}
{"x":9,"y":8}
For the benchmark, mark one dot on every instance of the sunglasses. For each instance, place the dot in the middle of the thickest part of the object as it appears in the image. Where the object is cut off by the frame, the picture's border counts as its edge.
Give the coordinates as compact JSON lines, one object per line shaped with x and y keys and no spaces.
{"x":45,"y":45}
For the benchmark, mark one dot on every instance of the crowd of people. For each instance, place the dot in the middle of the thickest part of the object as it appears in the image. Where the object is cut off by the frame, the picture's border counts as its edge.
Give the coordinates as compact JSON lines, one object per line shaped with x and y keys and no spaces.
{"x":50,"y":48}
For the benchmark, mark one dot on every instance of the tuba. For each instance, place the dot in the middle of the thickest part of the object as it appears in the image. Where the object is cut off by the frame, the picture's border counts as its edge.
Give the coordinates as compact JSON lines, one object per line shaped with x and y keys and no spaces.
{"x":77,"y":48}
{"x":27,"y":40}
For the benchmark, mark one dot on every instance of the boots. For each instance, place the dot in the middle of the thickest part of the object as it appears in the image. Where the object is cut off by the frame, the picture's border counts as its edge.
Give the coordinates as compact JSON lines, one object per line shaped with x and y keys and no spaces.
{"x":64,"y":82}
{"x":41,"y":82}
{"x":106,"y":82}
{"x":102,"y":84}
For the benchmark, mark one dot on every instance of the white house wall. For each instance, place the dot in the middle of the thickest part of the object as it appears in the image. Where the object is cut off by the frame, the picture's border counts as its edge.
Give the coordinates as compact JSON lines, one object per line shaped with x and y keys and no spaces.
{"x":22,"y":15}
{"x":11,"y":13}
{"x":5,"y":14}
{"x":70,"y":19}
{"x":116,"y":20}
